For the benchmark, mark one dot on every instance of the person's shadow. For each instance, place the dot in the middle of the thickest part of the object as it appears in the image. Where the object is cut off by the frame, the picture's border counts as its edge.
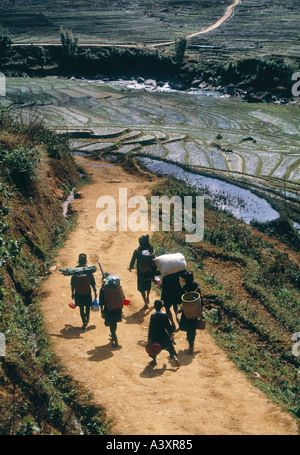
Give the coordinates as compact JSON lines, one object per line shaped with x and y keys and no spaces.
{"x":70,"y":332}
{"x":186,"y":358}
{"x":104,"y":352}
{"x":137,"y":317}
{"x":151,"y":371}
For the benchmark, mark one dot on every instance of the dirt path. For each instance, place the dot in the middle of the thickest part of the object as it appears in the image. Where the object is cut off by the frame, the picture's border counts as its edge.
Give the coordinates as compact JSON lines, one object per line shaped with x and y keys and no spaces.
{"x":217,"y":24}
{"x":206,"y":395}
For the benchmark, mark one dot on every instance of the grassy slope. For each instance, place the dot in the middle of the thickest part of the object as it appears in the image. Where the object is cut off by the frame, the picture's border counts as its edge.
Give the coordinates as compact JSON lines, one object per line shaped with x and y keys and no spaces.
{"x":251,"y":293}
{"x":36,"y":394}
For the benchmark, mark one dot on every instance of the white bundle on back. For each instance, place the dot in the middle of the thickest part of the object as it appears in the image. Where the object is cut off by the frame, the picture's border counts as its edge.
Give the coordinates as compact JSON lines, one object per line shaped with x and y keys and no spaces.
{"x":170,"y":263}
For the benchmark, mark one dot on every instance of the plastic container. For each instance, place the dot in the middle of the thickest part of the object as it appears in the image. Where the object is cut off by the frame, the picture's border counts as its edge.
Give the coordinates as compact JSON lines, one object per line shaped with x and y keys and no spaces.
{"x":95,"y":305}
{"x":191,"y":305}
{"x":153,"y":349}
{"x":72,"y":304}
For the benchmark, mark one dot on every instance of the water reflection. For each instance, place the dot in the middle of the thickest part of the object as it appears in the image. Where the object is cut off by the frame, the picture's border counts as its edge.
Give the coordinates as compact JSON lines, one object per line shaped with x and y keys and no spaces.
{"x":242,"y":203}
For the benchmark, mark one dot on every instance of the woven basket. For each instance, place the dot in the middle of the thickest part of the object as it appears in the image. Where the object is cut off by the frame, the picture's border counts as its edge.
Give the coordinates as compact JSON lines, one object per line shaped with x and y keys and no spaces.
{"x":191,"y":305}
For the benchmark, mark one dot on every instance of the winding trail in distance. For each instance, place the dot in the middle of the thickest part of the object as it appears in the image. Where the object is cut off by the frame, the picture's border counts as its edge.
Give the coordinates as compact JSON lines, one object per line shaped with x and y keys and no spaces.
{"x":228,"y":13}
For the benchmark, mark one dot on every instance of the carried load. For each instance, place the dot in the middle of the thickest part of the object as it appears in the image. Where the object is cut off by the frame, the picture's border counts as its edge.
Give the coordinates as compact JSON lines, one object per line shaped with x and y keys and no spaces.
{"x":145,"y":261}
{"x":95,"y":305}
{"x":84,"y":270}
{"x":153,"y":349}
{"x":111,"y":281}
{"x":82,"y":284}
{"x":113,"y":292}
{"x":191,"y":305}
{"x":170,"y":263}
{"x":81,"y":278}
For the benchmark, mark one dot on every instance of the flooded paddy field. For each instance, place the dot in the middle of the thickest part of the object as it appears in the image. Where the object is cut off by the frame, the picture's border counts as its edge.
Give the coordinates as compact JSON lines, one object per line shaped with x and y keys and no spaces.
{"x":223,"y":136}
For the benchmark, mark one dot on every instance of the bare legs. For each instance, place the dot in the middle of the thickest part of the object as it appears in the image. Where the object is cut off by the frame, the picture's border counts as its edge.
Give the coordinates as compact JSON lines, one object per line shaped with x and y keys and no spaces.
{"x":145,"y":296}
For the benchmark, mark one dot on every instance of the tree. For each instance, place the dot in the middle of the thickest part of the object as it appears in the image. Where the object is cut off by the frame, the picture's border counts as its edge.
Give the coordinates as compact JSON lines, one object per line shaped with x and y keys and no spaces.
{"x":5,"y":44}
{"x":69,"y":44}
{"x":180,"y":47}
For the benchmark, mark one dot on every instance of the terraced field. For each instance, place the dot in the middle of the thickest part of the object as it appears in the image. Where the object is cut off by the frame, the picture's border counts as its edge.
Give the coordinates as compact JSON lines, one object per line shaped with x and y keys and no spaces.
{"x":257,"y":28}
{"x":116,"y":22}
{"x":258,"y":140}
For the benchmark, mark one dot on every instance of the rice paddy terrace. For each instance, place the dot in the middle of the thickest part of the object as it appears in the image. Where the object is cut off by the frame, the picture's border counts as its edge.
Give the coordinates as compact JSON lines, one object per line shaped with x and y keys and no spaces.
{"x":256,"y":27}
{"x":109,"y":22}
{"x":258,"y":143}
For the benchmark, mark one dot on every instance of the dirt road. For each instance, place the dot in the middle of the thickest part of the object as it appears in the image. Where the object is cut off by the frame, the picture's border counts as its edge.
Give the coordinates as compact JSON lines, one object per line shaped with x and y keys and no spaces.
{"x":206,"y":395}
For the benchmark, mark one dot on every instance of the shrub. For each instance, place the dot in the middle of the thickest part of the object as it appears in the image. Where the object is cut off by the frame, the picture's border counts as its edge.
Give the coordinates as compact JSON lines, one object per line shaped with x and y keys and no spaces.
{"x":5,"y":44}
{"x":19,"y":165}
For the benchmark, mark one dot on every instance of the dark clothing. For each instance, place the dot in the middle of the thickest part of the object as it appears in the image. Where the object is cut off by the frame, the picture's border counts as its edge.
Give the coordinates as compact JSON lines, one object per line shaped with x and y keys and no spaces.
{"x":111,"y":317}
{"x":84,"y":302}
{"x":143,"y":279}
{"x":84,"y":299}
{"x":172,"y":290}
{"x":159,"y":331}
{"x":189,"y":325}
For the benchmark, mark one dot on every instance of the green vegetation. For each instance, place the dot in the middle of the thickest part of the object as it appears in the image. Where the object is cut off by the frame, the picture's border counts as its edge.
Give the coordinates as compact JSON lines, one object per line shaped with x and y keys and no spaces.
{"x":260,"y":73}
{"x":251,"y":294}
{"x":37,"y":396}
{"x":19,"y":164}
{"x":180,"y":47}
{"x":5,"y":44}
{"x":251,"y":289}
{"x":69,"y":44}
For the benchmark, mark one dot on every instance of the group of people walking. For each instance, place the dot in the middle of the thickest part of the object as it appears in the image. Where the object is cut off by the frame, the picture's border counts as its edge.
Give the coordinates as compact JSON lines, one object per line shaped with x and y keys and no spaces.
{"x":162,"y":323}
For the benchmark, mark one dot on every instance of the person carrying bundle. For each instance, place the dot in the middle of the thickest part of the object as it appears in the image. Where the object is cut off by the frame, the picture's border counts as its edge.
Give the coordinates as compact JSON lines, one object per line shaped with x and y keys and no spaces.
{"x":171,"y":294}
{"x":144,"y":256}
{"x":172,"y":267}
{"x":160,"y":332}
{"x":81,"y":285}
{"x":111,"y":303}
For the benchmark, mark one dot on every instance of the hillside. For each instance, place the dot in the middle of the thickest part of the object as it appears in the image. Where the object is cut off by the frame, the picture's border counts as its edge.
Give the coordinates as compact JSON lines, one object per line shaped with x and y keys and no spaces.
{"x":37,"y":174}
